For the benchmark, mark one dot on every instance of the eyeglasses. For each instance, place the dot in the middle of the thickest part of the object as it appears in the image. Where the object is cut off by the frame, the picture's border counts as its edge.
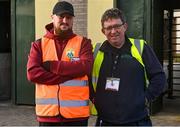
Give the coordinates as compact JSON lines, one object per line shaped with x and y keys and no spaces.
{"x":116,"y":27}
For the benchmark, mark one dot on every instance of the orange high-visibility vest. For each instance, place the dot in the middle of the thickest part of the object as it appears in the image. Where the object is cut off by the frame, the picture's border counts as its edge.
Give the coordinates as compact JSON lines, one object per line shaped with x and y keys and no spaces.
{"x":69,"y":99}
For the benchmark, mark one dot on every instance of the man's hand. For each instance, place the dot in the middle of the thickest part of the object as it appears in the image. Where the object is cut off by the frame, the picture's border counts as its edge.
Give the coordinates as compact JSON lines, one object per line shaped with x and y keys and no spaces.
{"x":46,"y":65}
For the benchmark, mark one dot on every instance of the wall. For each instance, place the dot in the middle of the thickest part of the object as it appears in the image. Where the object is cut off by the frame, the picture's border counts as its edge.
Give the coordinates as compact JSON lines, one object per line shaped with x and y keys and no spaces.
{"x":80,"y":19}
{"x":43,"y":11}
{"x":95,"y":10}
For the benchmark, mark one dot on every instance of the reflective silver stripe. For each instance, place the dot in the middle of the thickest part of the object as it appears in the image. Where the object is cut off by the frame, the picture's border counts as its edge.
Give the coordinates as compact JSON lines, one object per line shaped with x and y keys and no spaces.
{"x":75,"y":83}
{"x":94,"y":79}
{"x":65,"y":103}
{"x":42,"y":101}
{"x":138,"y":46}
{"x":74,"y":103}
{"x":97,"y":47}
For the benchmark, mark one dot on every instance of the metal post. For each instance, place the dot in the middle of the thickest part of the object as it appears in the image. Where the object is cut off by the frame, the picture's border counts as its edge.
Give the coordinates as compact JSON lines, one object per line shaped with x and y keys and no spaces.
{"x":170,"y":57}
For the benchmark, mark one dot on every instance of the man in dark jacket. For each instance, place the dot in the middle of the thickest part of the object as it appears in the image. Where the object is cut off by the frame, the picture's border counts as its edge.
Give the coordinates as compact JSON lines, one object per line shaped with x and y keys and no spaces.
{"x":59,"y":64}
{"x":126,"y":75}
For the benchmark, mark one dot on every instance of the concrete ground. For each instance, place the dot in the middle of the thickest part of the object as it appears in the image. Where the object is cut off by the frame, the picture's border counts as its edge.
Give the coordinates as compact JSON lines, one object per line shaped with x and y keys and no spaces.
{"x":13,"y":115}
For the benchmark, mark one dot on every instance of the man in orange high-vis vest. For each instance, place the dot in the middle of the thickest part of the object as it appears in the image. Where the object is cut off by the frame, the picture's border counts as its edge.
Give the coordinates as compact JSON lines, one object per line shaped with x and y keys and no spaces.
{"x":59,"y":64}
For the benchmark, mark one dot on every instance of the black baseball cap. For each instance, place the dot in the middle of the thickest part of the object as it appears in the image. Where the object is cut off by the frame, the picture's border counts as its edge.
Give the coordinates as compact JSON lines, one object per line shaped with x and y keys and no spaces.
{"x":62,"y":7}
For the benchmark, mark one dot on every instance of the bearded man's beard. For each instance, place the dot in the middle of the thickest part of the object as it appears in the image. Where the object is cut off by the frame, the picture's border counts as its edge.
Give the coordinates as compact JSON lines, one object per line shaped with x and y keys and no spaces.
{"x":63,"y":33}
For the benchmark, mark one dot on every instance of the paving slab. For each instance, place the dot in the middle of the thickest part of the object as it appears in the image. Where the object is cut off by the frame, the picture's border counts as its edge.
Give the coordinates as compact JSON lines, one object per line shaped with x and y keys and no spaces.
{"x":22,"y":115}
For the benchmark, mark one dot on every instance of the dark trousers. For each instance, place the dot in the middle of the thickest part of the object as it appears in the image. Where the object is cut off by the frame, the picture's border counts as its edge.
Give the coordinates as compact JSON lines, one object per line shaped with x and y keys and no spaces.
{"x":73,"y":123}
{"x":144,"y":122}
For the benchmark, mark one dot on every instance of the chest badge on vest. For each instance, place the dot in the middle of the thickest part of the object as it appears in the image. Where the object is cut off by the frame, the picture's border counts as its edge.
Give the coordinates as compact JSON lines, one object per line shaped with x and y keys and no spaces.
{"x":70,"y":53}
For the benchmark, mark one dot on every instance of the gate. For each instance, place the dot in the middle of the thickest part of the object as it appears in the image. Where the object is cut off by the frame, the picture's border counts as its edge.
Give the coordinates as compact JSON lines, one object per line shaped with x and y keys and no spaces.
{"x":173,"y":52}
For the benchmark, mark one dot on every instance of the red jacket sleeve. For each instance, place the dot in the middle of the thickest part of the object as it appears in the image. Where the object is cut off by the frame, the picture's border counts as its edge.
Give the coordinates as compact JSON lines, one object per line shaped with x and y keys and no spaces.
{"x":76,"y":68}
{"x":35,"y":71}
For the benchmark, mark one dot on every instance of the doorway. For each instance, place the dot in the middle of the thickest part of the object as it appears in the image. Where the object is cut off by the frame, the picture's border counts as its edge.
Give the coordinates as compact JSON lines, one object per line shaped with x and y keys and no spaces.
{"x":5,"y":51}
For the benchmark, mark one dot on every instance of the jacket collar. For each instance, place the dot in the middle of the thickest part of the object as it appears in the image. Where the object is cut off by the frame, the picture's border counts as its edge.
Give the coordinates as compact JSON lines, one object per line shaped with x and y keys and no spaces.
{"x":107,"y":47}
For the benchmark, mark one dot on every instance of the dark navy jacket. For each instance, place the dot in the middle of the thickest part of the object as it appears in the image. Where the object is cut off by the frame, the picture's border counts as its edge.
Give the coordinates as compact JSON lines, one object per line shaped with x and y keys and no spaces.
{"x":128,"y":103}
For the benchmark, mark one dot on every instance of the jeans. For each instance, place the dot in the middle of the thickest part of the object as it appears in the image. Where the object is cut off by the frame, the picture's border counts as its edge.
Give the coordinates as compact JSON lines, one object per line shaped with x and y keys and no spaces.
{"x":143,"y":122}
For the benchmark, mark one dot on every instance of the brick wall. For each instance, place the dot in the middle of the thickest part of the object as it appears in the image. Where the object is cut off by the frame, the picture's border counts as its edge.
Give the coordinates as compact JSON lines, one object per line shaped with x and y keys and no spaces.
{"x":80,"y":20}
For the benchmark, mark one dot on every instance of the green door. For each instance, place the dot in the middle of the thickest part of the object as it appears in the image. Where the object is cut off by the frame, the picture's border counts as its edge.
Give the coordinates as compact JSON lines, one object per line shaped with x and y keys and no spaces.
{"x":23,"y":27}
